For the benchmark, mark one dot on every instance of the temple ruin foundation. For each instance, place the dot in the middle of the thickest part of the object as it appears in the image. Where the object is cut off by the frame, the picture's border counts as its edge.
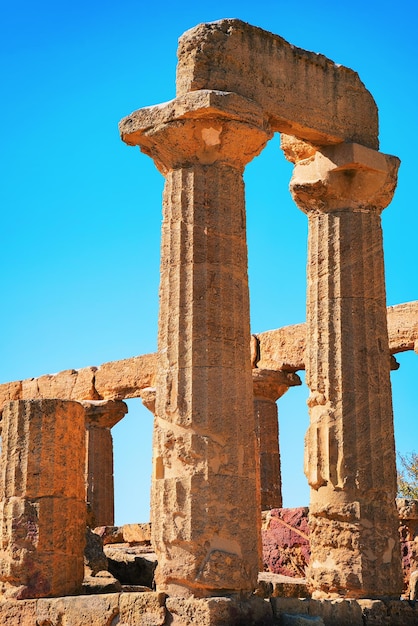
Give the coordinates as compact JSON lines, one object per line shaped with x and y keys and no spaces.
{"x":216,"y":456}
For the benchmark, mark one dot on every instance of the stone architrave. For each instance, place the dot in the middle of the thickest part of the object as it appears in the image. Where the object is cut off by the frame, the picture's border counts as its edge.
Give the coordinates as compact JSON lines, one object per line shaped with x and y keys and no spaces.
{"x":43,"y":509}
{"x":269,"y":386}
{"x":205,"y":473}
{"x":101,"y":416}
{"x":350,"y":452}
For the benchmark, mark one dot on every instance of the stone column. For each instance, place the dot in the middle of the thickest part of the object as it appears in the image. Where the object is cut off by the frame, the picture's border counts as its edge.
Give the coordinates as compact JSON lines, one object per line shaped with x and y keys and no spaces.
{"x":205,"y":518}
{"x":269,"y":386}
{"x":101,"y":416}
{"x":43,"y":510}
{"x":350,"y":452}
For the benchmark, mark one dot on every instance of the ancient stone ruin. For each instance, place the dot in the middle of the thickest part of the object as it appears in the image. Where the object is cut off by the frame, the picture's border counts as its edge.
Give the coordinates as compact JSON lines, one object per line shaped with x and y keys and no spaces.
{"x":212,"y":387}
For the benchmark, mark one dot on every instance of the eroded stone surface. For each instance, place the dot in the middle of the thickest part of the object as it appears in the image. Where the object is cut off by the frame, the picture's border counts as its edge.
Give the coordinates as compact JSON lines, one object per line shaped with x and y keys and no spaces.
{"x":147,"y":609}
{"x":43,"y":514}
{"x":303,"y":93}
{"x":269,"y":385}
{"x":280,"y":349}
{"x":219,"y":611}
{"x":349,"y":449}
{"x":349,"y":612}
{"x":68,"y":384}
{"x":94,"y":610}
{"x":205,"y":471}
{"x":125,"y":378}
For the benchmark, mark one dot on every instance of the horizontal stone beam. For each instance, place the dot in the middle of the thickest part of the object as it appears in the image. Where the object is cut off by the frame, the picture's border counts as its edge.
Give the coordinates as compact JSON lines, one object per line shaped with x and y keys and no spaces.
{"x":115,"y":380}
{"x":281,"y":349}
{"x":284,"y":348}
{"x":302,"y":93}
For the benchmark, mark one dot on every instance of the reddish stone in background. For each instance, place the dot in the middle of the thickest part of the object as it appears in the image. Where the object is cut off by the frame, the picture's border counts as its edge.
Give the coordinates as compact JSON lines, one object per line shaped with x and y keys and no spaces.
{"x":408,"y":531}
{"x":285,"y":536}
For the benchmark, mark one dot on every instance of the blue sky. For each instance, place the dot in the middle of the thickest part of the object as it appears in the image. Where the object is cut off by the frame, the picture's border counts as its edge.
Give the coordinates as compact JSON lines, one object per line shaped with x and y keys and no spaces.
{"x":81,"y":212}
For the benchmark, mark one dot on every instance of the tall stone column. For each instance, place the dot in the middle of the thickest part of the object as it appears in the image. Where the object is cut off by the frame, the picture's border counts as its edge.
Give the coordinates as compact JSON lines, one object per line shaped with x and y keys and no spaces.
{"x":205,"y":518}
{"x":101,"y":416}
{"x":269,"y":386}
{"x":350,"y":452}
{"x":43,"y":510}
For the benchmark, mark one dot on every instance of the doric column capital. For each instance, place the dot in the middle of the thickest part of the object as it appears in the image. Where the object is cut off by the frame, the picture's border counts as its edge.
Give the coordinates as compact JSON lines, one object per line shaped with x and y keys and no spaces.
{"x":104,"y":413}
{"x":272,"y":384}
{"x":343,"y":177}
{"x":148,"y":396}
{"x":201,"y":127}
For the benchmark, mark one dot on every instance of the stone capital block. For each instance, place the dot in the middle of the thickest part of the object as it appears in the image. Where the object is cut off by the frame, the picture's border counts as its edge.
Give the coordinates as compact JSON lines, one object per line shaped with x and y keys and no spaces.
{"x":344,"y":177}
{"x":273,"y":384}
{"x":43,"y":515}
{"x":202,"y":127}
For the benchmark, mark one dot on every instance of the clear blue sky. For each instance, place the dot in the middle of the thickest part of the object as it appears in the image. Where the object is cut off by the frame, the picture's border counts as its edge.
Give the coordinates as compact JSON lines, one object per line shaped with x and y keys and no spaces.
{"x":81,"y":212}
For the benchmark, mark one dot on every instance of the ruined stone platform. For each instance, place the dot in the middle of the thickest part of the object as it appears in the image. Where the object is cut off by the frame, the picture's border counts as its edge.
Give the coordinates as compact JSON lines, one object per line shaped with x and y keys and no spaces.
{"x":156,"y":609}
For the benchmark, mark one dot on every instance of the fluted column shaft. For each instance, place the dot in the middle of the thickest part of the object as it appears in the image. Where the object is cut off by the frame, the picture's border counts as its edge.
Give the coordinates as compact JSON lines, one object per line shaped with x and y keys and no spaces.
{"x":350,"y":453}
{"x":269,"y":386}
{"x":101,"y":416}
{"x":205,"y":518}
{"x":43,"y":511}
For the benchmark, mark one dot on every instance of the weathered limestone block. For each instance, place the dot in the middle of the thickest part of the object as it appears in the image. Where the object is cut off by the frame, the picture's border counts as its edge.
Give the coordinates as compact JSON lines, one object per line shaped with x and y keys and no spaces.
{"x":68,"y":384}
{"x":10,"y":391}
{"x":283,"y":348}
{"x":269,"y":385}
{"x":349,"y":612}
{"x":350,"y":452}
{"x":205,"y":473}
{"x":303,"y":93}
{"x":148,"y":397}
{"x":219,"y":611}
{"x":122,"y":379}
{"x":137,"y":533}
{"x":42,"y":511}
{"x":403,"y":326}
{"x":146,"y":609}
{"x":94,"y":610}
{"x":273,"y":585}
{"x":20,"y":613}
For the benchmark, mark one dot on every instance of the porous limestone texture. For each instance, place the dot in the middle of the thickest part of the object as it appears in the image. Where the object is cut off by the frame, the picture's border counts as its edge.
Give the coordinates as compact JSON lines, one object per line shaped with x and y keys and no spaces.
{"x":303,"y":93}
{"x":205,"y":471}
{"x":408,"y":530}
{"x":349,"y":449}
{"x":284,"y":348}
{"x":43,"y":510}
{"x":155,"y":609}
{"x":101,"y":416}
{"x":341,"y":612}
{"x":115,"y":380}
{"x":219,"y":611}
{"x":269,"y":385}
{"x":279,"y":349}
